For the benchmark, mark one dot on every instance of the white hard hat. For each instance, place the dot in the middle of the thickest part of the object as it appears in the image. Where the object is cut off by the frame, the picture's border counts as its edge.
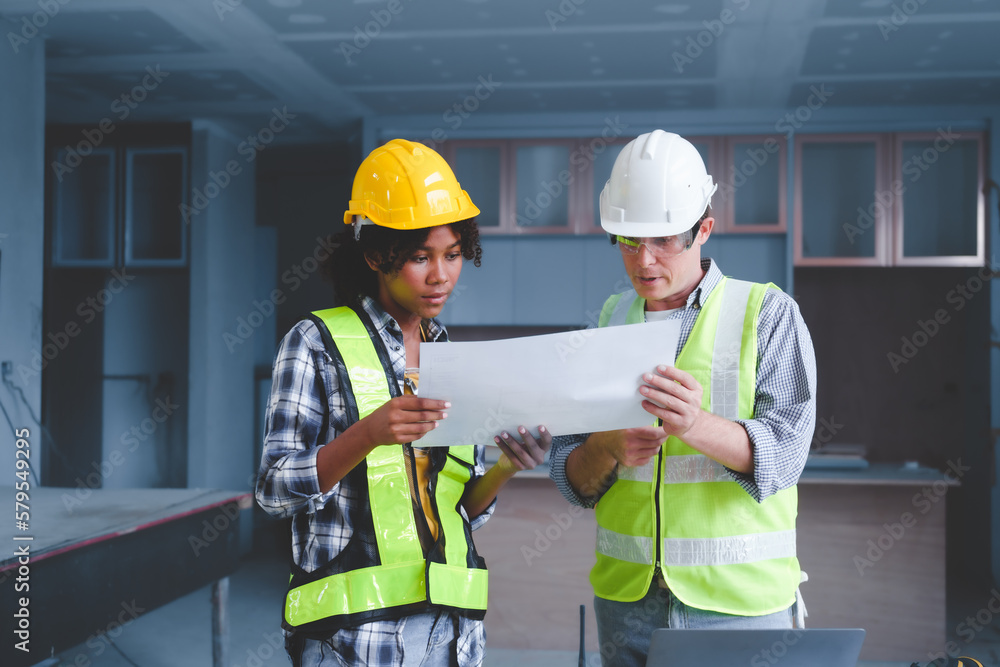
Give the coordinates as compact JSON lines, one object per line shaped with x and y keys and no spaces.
{"x":658,"y":187}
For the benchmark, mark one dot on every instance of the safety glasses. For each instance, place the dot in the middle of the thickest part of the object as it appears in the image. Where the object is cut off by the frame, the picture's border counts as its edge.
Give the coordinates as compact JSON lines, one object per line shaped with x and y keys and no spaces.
{"x":662,"y":247}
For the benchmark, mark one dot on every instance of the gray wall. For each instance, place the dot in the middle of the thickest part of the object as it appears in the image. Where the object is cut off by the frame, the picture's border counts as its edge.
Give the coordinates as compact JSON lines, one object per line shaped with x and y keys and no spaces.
{"x":145,"y":402}
{"x":22,"y":186}
{"x":993,"y":236}
{"x":220,"y":428}
{"x":303,"y":193}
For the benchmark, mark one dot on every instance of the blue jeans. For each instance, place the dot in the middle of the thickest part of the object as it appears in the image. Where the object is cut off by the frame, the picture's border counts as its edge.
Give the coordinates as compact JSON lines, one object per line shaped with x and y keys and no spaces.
{"x":428,"y":640}
{"x":624,"y":628}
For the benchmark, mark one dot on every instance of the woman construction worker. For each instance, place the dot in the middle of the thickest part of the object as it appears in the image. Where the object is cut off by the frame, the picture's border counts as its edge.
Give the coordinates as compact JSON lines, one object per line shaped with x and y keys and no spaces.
{"x":385,"y":571}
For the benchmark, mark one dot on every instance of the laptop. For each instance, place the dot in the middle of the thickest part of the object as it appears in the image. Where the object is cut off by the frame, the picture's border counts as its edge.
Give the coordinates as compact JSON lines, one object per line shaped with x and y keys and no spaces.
{"x":798,"y":647}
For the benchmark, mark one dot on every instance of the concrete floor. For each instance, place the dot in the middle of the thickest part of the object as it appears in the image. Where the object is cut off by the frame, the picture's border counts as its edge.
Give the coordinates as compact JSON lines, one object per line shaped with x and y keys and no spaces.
{"x":179,"y":634}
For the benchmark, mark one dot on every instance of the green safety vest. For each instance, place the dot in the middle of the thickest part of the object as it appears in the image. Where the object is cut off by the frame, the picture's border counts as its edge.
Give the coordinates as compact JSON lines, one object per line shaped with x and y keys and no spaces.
{"x":716,"y":547}
{"x":359,"y":586}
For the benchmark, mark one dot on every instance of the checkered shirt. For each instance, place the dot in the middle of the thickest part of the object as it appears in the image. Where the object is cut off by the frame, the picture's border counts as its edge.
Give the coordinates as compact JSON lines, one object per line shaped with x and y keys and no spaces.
{"x":784,"y":405}
{"x":288,"y":485}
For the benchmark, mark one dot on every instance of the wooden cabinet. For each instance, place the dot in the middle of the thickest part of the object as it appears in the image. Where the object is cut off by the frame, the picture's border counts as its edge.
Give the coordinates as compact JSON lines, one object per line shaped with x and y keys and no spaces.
{"x":525,"y":186}
{"x":553,"y":186}
{"x":544,"y":189}
{"x":890,"y":199}
{"x":874,"y":554}
{"x":84,"y":210}
{"x":752,"y":185}
{"x":939,"y":217}
{"x":481,"y":169}
{"x":837,"y":217}
{"x":154,"y":190}
{"x":601,"y":167}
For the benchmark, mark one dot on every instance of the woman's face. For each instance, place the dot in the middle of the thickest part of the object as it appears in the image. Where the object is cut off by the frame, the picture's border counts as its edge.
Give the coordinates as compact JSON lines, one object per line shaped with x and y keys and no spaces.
{"x":423,"y":284}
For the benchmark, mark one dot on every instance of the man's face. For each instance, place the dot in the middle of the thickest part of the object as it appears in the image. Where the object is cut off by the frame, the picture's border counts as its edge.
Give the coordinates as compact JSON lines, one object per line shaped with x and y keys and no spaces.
{"x":665,"y":282}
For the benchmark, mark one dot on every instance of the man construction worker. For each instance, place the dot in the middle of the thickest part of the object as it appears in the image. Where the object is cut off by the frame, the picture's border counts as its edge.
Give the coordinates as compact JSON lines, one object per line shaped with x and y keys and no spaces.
{"x":384,"y":570}
{"x":695,"y":514}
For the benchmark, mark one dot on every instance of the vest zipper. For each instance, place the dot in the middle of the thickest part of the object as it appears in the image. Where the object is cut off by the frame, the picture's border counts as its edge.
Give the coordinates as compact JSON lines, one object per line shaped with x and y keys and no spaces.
{"x":656,"y":503}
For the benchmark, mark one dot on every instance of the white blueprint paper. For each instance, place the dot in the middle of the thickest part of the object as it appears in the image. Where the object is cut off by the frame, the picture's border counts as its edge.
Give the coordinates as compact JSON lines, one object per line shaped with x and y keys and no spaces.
{"x":572,"y":382}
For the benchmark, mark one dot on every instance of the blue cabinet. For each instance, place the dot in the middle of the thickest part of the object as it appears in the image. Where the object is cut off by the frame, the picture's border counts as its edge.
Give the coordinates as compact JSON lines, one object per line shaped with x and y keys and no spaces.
{"x":119,"y":206}
{"x":480,"y":168}
{"x":84,"y":209}
{"x":155,"y":189}
{"x":939,"y":217}
{"x":751,"y":195}
{"x":890,"y":199}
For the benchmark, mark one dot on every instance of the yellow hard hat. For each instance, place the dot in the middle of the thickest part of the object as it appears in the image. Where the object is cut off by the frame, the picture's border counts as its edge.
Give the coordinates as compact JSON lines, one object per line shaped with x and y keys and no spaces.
{"x":406,"y":185}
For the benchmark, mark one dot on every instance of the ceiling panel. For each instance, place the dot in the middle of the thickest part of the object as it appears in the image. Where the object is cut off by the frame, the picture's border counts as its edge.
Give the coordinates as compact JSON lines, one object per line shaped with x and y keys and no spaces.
{"x":885,"y":9}
{"x":343,"y":16}
{"x":917,"y":48}
{"x":948,"y":91}
{"x":519,"y":56}
{"x":82,"y":34}
{"x":167,"y":87}
{"x":457,"y":60}
{"x":652,"y":98}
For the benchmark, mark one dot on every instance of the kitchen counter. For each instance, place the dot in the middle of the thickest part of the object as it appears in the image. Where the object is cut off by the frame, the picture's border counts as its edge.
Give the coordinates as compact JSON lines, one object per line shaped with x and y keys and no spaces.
{"x":895,"y":474}
{"x":871,"y":540}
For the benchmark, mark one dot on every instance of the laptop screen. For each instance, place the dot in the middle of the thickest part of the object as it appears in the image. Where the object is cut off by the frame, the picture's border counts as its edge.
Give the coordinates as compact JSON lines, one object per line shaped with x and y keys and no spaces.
{"x":810,"y":647}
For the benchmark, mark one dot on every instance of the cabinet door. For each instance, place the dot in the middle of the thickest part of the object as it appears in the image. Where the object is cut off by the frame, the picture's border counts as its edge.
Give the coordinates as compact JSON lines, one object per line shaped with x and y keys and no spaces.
{"x":939,"y":219}
{"x":603,"y":163}
{"x":842,"y":207}
{"x":708,"y":149}
{"x":542,"y":182}
{"x":83,"y":210}
{"x":479,"y":167}
{"x":155,"y":190}
{"x":751,"y":194}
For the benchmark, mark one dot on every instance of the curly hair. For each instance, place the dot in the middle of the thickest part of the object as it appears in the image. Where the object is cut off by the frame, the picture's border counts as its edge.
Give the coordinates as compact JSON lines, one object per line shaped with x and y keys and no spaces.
{"x":390,"y":248}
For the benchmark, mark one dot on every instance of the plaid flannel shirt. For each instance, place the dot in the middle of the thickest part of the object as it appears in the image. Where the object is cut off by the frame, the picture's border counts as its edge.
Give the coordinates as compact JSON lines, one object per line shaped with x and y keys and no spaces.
{"x":784,"y":405}
{"x":288,"y":485}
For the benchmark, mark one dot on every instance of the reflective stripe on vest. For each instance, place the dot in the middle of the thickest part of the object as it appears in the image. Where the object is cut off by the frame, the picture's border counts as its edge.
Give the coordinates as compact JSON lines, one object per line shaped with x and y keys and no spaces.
{"x":698,"y":551}
{"x":627,"y":304}
{"x":718,"y":549}
{"x":678,"y":470}
{"x":728,"y":341}
{"x":732,"y":550}
{"x":726,"y":355}
{"x":630,"y":548}
{"x":402,"y":575}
